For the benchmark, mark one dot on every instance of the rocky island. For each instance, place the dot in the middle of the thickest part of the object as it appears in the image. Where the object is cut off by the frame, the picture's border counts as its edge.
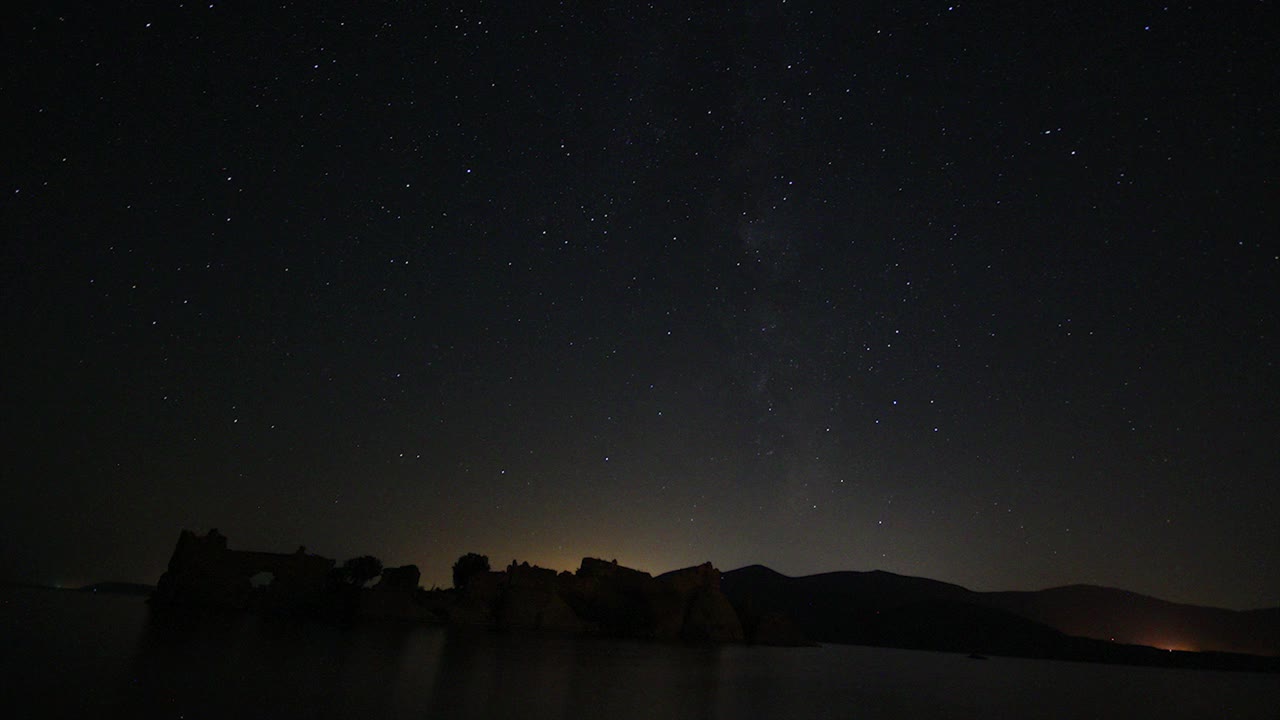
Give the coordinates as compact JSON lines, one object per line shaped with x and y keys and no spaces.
{"x":601,"y":597}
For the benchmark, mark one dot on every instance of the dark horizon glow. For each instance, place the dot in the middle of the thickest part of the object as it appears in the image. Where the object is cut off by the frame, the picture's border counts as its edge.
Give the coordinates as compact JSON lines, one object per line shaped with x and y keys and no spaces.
{"x":986,"y":296}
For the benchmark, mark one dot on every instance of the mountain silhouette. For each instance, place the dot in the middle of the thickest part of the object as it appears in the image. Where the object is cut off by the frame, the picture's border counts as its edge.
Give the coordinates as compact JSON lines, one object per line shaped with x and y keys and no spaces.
{"x":1127,"y":617}
{"x":1077,"y":622}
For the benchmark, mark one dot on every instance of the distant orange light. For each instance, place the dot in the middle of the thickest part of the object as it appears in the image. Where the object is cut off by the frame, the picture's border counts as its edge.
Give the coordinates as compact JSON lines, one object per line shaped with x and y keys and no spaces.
{"x":1172,"y":645}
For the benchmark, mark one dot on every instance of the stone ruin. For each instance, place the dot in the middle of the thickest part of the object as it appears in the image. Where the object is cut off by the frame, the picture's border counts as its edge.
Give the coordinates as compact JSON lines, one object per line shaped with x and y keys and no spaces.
{"x":204,"y":572}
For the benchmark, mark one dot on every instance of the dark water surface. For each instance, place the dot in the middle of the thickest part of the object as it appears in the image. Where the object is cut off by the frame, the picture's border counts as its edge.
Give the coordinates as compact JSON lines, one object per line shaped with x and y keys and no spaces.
{"x":66,"y":654}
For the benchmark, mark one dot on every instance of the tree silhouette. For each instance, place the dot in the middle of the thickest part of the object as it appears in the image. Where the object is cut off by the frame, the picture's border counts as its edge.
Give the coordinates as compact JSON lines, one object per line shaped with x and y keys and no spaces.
{"x":467,"y":566}
{"x":360,"y":570}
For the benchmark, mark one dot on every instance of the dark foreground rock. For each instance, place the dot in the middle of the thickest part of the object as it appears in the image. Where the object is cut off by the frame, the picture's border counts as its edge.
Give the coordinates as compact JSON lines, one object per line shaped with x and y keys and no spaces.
{"x":601,"y":597}
{"x":681,"y":605}
{"x":396,"y":596}
{"x":204,"y":572}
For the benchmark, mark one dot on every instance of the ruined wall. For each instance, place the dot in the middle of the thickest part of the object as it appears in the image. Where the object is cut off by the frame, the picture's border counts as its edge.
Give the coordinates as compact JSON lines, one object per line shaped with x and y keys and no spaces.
{"x":204,"y":572}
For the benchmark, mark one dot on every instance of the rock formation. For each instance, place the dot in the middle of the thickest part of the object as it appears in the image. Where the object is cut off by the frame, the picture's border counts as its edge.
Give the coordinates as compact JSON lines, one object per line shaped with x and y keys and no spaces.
{"x":681,"y":605}
{"x":707,"y":614}
{"x":601,"y":596}
{"x":394,"y":597}
{"x":203,"y":572}
{"x":404,"y":579}
{"x":532,"y":598}
{"x":474,"y":603}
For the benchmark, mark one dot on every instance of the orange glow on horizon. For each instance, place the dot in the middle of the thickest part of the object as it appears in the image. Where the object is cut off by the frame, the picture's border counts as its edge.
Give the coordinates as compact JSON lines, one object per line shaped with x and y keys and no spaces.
{"x":1174,"y":645}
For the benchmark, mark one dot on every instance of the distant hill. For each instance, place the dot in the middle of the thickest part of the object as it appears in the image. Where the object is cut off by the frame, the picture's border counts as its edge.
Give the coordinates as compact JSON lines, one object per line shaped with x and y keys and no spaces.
{"x":119,"y":588}
{"x":1126,"y":617}
{"x":881,"y":608}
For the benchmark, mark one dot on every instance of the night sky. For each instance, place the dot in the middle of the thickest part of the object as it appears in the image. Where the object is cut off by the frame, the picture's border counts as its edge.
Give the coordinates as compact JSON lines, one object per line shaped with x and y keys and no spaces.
{"x":983,"y":294}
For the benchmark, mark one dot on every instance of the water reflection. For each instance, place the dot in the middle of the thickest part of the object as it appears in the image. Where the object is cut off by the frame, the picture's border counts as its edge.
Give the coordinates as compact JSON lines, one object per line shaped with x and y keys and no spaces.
{"x":218,"y":665}
{"x":555,"y":676}
{"x":74,"y":655}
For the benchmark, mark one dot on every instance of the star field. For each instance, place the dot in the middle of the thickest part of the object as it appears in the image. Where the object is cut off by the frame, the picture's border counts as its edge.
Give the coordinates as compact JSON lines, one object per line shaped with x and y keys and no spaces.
{"x":977,"y":294}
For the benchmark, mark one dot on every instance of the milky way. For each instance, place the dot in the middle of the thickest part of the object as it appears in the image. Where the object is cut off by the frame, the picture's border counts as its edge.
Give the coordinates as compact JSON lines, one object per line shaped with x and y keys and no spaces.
{"x":974,"y":294}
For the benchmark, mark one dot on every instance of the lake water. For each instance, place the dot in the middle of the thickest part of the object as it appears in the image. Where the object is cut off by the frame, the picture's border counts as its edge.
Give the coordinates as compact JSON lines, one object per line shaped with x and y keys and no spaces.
{"x":65,"y":654}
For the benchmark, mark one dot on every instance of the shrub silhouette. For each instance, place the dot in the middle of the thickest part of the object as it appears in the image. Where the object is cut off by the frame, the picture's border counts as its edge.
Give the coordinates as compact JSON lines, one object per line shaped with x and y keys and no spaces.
{"x":467,"y":566}
{"x":360,"y":570}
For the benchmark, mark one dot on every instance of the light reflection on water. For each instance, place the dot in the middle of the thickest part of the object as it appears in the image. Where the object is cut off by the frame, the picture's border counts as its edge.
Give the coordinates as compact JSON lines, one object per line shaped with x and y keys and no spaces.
{"x":74,"y":655}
